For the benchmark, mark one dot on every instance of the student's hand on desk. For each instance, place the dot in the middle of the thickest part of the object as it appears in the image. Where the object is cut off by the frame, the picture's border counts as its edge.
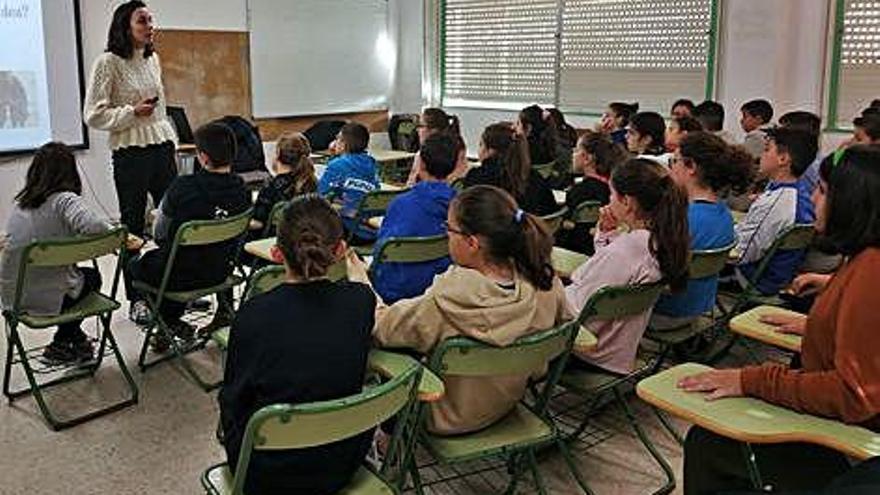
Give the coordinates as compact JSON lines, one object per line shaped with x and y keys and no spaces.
{"x":807,"y":283}
{"x":717,"y":384}
{"x":792,"y":324}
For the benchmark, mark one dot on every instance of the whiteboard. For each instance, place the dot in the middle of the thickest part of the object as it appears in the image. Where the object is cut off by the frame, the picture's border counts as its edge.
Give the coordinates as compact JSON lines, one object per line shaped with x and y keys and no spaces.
{"x":319,"y":56}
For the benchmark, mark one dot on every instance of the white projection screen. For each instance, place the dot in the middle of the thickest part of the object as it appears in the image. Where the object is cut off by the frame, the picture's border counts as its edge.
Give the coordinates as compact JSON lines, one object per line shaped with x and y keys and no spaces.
{"x":41,"y":76}
{"x":312,"y":57}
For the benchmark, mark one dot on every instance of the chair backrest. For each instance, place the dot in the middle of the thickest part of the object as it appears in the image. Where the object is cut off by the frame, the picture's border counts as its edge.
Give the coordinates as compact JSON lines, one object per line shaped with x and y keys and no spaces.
{"x":545,"y":170}
{"x":586,"y":212}
{"x":554,"y":220}
{"x":285,"y":426}
{"x":267,"y":278}
{"x":709,"y":262}
{"x":203,"y":232}
{"x":457,"y":184}
{"x":374,"y":203}
{"x":412,"y":249}
{"x":275,"y":217}
{"x":793,"y":237}
{"x":613,"y":302}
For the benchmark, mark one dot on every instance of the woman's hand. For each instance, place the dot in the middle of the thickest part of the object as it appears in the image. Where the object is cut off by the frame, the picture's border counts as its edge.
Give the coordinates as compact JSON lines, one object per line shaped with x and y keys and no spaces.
{"x":607,"y":220}
{"x":146,"y":107}
{"x":807,"y":283}
{"x":791,"y":324}
{"x":717,"y":384}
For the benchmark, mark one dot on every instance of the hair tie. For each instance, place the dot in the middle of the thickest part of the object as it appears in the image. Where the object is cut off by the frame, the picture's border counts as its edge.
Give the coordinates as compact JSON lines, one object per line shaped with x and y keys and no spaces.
{"x":518,"y":215}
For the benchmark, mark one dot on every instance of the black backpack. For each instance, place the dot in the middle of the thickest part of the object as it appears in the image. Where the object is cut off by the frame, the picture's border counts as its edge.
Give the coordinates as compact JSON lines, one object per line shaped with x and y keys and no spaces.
{"x":249,"y":154}
{"x":322,"y":133}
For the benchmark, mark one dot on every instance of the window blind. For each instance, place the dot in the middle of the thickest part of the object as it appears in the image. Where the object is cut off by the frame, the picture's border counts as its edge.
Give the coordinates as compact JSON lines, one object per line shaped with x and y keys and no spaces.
{"x":859,"y":62}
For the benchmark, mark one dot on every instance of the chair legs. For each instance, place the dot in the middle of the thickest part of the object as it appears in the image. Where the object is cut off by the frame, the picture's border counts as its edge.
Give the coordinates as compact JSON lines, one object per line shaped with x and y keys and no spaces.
{"x":646,"y":441}
{"x":668,"y":426}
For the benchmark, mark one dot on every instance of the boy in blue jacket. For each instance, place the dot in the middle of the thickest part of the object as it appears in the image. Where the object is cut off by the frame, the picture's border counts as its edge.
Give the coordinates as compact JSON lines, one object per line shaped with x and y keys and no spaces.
{"x":350,"y":176}
{"x":417,"y":213}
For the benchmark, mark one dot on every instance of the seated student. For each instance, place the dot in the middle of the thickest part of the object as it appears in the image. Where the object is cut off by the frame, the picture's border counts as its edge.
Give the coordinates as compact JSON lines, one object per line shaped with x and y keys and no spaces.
{"x":350,"y":176}
{"x":756,"y":116}
{"x":294,"y":175}
{"x":505,"y":163}
{"x":840,"y":369}
{"x":567,"y":139}
{"x":678,"y":128}
{"x":596,"y":157}
{"x":785,"y":202}
{"x":811,"y":123}
{"x":213,"y":192}
{"x":433,"y":121}
{"x":417,"y":213}
{"x":704,"y":166}
{"x":653,"y":209}
{"x":646,"y":137}
{"x":306,"y":340}
{"x":51,"y":206}
{"x":866,"y":128}
{"x":539,"y":133}
{"x":711,"y":115}
{"x":500,"y":288}
{"x":567,"y":134}
{"x":682,"y":108}
{"x":616,"y":119}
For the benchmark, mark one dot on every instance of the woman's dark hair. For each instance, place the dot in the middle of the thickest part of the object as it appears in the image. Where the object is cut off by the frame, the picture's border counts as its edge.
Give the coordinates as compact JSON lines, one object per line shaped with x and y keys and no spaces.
{"x":683,"y":102}
{"x":720,"y":166}
{"x":438,"y":120}
{"x":513,"y":151}
{"x":541,"y":136}
{"x":852,"y":222}
{"x":664,"y":205}
{"x":606,"y":155}
{"x":651,"y":124}
{"x":624,"y":111}
{"x":294,"y":150}
{"x":508,"y":233}
{"x":53,"y":170}
{"x":567,"y":134}
{"x":119,"y":40}
{"x":688,"y":124}
{"x":308,"y":233}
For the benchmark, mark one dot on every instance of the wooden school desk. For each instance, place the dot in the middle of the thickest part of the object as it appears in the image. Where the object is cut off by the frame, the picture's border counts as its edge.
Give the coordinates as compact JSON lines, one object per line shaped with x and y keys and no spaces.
{"x":749,"y":325}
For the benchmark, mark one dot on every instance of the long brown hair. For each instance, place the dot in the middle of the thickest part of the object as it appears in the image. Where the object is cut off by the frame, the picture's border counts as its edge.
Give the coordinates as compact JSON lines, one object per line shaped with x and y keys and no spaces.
{"x":720,"y":166}
{"x":509,"y":233}
{"x":294,"y":150}
{"x":606,"y":155}
{"x":309,"y":231}
{"x":53,"y":170}
{"x":664,"y":205}
{"x":513,"y":151}
{"x":437,"y":120}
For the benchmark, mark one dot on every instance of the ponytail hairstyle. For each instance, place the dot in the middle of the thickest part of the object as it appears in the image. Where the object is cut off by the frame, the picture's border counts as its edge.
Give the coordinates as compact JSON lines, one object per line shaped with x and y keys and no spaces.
{"x":308,"y":234}
{"x":542,"y":136}
{"x":664,"y":206}
{"x":437,"y":120}
{"x":720,"y":166}
{"x":607,"y":156}
{"x":652,"y":125}
{"x":623,"y":111}
{"x":293,"y":150}
{"x":53,"y":170}
{"x":507,"y":232}
{"x":513,"y":151}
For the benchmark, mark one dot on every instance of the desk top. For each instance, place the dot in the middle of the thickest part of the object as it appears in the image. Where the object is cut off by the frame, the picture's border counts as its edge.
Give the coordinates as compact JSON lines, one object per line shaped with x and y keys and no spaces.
{"x":380,"y":155}
{"x":388,"y":364}
{"x":752,"y":420}
{"x":748,"y":324}
{"x":565,"y":262}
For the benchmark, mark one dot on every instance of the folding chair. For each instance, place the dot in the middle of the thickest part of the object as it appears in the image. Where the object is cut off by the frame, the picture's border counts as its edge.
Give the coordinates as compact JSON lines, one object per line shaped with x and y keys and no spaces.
{"x":611,"y":303}
{"x":586,"y":212}
{"x":285,"y":426}
{"x":190,"y":234}
{"x":409,"y":250}
{"x":57,"y":253}
{"x":554,"y":220}
{"x":373,"y":204}
{"x":526,"y":428}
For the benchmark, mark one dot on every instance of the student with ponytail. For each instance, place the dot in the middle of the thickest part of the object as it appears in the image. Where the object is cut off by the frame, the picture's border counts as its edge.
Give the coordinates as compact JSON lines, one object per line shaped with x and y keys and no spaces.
{"x":501,"y":287}
{"x":436,"y":121}
{"x":706,"y":167}
{"x":306,"y":340}
{"x":506,"y":164}
{"x":646,"y":136}
{"x":641,"y":238}
{"x":540,"y":133}
{"x":294,"y":175}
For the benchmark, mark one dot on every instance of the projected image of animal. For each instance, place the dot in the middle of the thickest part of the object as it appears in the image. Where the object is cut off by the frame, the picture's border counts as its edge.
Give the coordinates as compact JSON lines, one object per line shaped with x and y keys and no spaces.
{"x":13,"y":102}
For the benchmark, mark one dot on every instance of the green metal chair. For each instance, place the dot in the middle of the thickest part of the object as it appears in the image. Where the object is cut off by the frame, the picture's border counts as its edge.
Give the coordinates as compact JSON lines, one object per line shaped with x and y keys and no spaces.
{"x":525,"y":429}
{"x":57,"y":253}
{"x":586,"y":212}
{"x":374,"y":204}
{"x":285,"y":426}
{"x":409,"y":250}
{"x":545,"y":170}
{"x":554,"y":220}
{"x":611,"y":303}
{"x":192,"y":233}
{"x":274,"y":218}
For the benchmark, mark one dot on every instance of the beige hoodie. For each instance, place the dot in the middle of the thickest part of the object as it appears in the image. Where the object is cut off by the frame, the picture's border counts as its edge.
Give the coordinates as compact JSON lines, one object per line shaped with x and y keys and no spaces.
{"x":463,"y":301}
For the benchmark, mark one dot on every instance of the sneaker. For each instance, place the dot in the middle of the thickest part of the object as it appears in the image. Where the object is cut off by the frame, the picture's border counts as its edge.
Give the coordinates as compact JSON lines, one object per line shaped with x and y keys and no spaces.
{"x":183,"y":330}
{"x":222,"y":319}
{"x":159,"y":343}
{"x":60,"y":353}
{"x":139,"y":312}
{"x":84,"y":350}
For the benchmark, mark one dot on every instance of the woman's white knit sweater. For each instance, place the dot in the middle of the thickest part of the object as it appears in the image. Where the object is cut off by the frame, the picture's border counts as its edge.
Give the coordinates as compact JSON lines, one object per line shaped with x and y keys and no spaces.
{"x":117,"y":85}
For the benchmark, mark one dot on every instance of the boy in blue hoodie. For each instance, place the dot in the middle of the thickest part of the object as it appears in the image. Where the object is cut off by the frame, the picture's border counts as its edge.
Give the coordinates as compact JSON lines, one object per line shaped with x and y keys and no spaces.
{"x":350,"y":176}
{"x":417,"y":213}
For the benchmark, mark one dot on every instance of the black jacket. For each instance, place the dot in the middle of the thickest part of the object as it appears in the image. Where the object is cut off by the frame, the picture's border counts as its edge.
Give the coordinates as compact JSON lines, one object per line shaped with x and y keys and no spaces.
{"x":538,"y":197}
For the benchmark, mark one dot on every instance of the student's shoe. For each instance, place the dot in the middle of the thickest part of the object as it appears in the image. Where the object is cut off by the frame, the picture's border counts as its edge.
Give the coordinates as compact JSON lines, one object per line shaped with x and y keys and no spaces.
{"x":84,"y":350}
{"x":59,"y":353}
{"x":182,"y":330}
{"x":139,"y":312}
{"x":159,"y":343}
{"x":222,"y":319}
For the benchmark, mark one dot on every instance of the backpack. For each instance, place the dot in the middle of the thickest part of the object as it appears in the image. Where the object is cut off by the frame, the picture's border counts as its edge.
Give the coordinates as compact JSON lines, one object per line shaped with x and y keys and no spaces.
{"x":249,"y":154}
{"x":322,"y":133}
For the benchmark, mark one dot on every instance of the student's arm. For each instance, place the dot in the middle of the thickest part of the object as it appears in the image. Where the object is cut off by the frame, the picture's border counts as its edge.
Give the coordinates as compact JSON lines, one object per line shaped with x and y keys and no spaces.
{"x":237,"y":395}
{"x":99,"y":112}
{"x":332,"y":177}
{"x":414,"y":323}
{"x":756,"y":232}
{"x":166,"y":224}
{"x":263,"y":206}
{"x":79,"y":216}
{"x":603,"y":268}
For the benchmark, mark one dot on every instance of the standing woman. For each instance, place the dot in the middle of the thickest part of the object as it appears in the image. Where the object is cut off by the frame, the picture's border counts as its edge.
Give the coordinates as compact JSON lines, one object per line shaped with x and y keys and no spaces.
{"x":126,"y":98}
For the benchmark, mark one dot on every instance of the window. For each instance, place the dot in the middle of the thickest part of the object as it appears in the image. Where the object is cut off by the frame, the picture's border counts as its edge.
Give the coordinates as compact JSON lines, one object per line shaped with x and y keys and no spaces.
{"x":855,"y":67}
{"x":576,"y":54}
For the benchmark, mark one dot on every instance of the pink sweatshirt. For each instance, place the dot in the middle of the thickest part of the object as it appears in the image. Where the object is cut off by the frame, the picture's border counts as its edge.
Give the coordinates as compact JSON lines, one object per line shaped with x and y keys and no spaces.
{"x":620,"y":259}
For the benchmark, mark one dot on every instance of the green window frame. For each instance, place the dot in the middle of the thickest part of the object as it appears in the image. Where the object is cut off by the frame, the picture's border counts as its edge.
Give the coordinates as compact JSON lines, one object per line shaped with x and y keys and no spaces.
{"x":855,"y":59}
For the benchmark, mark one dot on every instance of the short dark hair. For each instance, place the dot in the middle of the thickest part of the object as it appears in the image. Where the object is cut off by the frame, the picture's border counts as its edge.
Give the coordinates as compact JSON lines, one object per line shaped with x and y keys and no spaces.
{"x":650,"y":124}
{"x":308,"y":232}
{"x":439,"y":154}
{"x":356,"y":137}
{"x":870,"y":122}
{"x":624,"y":110}
{"x":216,"y":140}
{"x":710,"y":114}
{"x":801,"y":119}
{"x":683,"y":102}
{"x":119,"y":38}
{"x":52,"y":170}
{"x":853,"y":207}
{"x":688,"y":124}
{"x":802,"y":146}
{"x":761,"y":109}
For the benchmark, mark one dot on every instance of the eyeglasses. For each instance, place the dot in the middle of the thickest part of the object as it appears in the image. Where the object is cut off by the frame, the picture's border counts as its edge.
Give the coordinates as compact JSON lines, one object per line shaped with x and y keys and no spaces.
{"x":451,"y":230}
